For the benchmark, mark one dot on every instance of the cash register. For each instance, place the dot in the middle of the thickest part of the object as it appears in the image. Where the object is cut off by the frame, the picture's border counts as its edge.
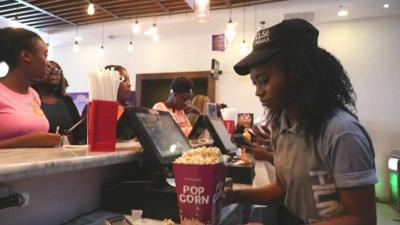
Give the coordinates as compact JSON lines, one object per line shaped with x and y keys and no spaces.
{"x":163,"y":141}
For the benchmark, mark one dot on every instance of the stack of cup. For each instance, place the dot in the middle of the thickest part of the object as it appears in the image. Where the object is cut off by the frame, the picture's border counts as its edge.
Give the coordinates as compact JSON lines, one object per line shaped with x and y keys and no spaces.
{"x":229,"y":116}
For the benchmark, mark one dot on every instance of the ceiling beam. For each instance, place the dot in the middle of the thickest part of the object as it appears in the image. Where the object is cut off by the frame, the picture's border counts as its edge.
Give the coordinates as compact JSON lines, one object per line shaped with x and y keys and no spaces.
{"x":17,"y":13}
{"x":62,"y":5}
{"x":26,"y":14}
{"x":32,"y":18}
{"x":43,"y":23}
{"x":52,"y":25}
{"x":228,"y":3}
{"x":98,"y":6}
{"x":162,"y":6}
{"x":44,"y":11}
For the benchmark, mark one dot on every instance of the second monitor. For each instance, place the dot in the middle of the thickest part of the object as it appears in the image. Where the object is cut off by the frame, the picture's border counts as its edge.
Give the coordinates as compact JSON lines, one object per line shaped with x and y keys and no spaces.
{"x":218,"y":132}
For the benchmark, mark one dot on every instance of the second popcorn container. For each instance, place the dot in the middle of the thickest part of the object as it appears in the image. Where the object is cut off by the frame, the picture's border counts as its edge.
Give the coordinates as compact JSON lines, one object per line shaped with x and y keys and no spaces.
{"x":199,"y":177}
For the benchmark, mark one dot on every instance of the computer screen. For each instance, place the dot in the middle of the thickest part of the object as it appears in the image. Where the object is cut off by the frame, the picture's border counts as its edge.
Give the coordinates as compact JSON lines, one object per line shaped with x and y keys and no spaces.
{"x":158,"y":133}
{"x":165,"y":134}
{"x":210,"y":109}
{"x":222,"y":134}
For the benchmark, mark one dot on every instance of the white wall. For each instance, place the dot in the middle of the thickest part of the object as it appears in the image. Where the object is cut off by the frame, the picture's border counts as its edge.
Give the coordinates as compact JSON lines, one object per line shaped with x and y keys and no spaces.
{"x":368,"y":49}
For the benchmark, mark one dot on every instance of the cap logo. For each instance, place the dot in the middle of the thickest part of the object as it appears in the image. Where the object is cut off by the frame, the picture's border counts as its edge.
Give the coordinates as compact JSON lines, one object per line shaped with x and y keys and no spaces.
{"x":262,"y":37}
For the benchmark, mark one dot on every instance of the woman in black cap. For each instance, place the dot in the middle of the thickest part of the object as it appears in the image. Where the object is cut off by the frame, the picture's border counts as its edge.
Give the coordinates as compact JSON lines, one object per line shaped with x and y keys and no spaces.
{"x":179,"y":101}
{"x":324,"y":158}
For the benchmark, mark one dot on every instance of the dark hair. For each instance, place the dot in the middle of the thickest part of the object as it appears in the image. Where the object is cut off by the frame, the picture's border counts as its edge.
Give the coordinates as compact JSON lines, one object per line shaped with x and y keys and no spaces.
{"x":59,"y":91}
{"x":14,"y":40}
{"x":181,"y":84}
{"x":41,"y":85}
{"x":319,"y":84}
{"x":118,"y":68}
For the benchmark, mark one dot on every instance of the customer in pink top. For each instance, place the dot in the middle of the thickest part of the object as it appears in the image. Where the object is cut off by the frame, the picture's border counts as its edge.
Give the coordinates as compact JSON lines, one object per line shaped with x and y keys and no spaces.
{"x":23,"y":123}
{"x":178,"y":102}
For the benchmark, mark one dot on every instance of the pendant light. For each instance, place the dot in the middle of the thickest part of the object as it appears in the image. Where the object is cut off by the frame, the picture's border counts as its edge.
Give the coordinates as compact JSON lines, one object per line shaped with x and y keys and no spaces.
{"x":102,"y":50}
{"x":230,"y":32}
{"x":76,"y":42}
{"x":136,"y":28}
{"x":202,"y":10}
{"x":244,"y":48}
{"x":90,"y":9}
{"x":130,"y":45}
{"x":342,"y":12}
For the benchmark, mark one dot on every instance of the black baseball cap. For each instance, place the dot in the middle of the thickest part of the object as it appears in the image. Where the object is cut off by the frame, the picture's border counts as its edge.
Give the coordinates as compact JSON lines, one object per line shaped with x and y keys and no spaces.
{"x":292,"y":35}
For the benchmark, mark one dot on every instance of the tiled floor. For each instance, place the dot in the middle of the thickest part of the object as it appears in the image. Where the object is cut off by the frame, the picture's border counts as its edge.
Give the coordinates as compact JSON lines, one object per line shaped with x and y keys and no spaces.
{"x":387,"y":215}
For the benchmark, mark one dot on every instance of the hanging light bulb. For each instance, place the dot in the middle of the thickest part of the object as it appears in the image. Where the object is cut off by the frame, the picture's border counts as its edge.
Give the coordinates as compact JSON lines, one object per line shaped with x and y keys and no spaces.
{"x":90,"y":9}
{"x":154,"y":29}
{"x":230,"y":32}
{"x":76,"y":46}
{"x":15,"y":23}
{"x":102,"y":50}
{"x":156,"y":37}
{"x":342,"y":12}
{"x":130,"y":47}
{"x":136,"y":28}
{"x":77,"y":37}
{"x":202,"y":10}
{"x":244,"y":49}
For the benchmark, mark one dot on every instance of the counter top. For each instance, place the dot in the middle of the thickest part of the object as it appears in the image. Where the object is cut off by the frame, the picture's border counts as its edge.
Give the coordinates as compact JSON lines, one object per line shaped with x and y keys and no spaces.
{"x":30,"y":162}
{"x":229,"y":215}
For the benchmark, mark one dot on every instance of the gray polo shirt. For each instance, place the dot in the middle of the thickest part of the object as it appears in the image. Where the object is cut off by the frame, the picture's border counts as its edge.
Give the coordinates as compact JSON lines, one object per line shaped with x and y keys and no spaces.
{"x":311,"y":173}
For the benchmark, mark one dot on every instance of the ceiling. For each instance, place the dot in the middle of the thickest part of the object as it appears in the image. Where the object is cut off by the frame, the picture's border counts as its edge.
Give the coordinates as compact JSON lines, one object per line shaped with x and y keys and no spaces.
{"x":51,"y":14}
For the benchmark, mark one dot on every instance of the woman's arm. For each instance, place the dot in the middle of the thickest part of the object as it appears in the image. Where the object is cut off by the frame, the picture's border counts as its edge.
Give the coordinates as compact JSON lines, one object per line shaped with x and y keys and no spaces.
{"x":32,"y":140}
{"x":261,"y":153}
{"x":359,"y":207}
{"x":263,"y":195}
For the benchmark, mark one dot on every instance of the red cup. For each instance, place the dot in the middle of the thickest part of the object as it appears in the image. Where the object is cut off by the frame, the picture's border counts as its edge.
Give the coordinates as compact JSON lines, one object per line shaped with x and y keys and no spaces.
{"x":102,"y":120}
{"x":199,"y":191}
{"x":230,"y":126}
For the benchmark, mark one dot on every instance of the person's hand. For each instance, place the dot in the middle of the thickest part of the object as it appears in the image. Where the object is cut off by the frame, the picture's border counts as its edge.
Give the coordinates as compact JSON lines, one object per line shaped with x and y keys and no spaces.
{"x":264,"y":133}
{"x":229,"y":196}
{"x":67,"y":137}
{"x":261,"y":153}
{"x":256,"y":150}
{"x":43,"y":139}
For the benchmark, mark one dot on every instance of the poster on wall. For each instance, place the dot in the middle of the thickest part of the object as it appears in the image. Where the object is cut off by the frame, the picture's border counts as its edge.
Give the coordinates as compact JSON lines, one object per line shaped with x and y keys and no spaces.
{"x":80,"y":99}
{"x":218,"y":42}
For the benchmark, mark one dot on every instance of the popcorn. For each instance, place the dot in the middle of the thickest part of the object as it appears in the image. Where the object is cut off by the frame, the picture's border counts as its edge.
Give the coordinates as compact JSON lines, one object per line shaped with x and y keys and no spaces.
{"x":201,"y":156}
{"x":187,"y":221}
{"x":168,"y":222}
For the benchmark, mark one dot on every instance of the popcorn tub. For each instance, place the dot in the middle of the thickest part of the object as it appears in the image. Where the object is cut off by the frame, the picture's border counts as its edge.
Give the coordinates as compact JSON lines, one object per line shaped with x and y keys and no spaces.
{"x":199,"y":191}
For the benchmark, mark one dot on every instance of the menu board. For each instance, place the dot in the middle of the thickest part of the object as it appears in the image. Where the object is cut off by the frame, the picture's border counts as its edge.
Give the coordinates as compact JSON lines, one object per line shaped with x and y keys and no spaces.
{"x":165,"y":134}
